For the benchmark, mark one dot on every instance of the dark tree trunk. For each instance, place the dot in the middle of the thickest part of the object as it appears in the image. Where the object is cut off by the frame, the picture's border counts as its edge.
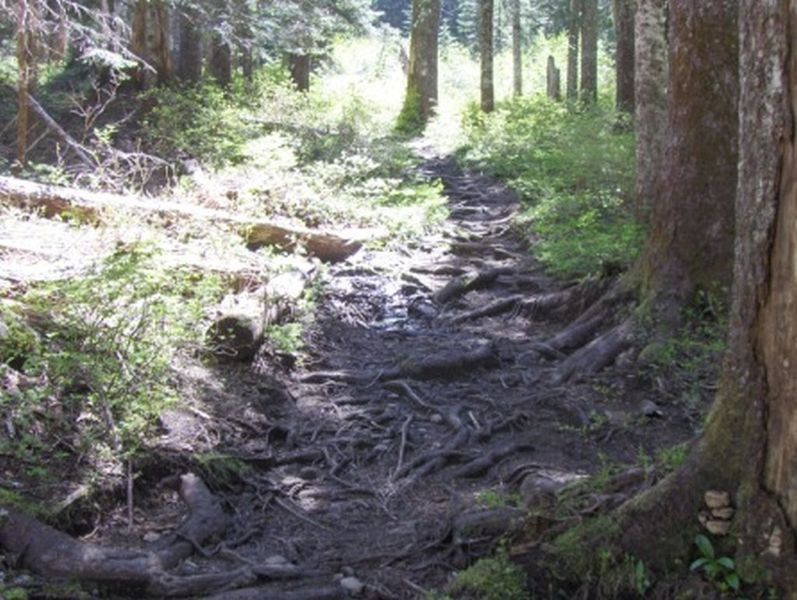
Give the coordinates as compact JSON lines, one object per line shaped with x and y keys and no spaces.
{"x":421,"y":96}
{"x":574,"y":27}
{"x":517,"y":50}
{"x":220,"y":63}
{"x":189,"y":65}
{"x":589,"y":51}
{"x":553,"y":78}
{"x":150,"y":41}
{"x":690,"y":246}
{"x":299,"y":66}
{"x":749,"y":447}
{"x":624,"y":12}
{"x":486,"y":55}
{"x":24,"y":75}
{"x":691,"y":241}
{"x":651,"y":101}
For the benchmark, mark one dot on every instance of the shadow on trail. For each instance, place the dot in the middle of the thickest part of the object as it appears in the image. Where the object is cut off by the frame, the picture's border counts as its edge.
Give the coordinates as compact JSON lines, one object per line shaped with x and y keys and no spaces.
{"x":425,"y":383}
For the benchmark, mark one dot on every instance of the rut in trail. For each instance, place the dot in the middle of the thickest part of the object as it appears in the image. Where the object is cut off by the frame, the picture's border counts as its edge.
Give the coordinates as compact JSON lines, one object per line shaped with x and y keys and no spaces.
{"x":425,"y":382}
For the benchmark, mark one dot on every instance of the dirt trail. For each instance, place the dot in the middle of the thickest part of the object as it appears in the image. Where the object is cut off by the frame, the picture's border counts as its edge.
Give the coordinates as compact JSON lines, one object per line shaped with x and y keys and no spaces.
{"x":392,"y":451}
{"x":425,"y":383}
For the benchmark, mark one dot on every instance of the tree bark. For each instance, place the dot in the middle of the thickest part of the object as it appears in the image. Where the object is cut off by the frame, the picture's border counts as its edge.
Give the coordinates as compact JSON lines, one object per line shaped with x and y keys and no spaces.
{"x":749,"y":445}
{"x":420,"y":100}
{"x":220,"y":63}
{"x":486,"y":55}
{"x":690,"y":246}
{"x":150,"y":41}
{"x":651,"y":101}
{"x":691,"y":240}
{"x":300,"y":66}
{"x":624,"y":13}
{"x":589,"y":51}
{"x":23,"y":70}
{"x":553,"y":78}
{"x":574,"y":27}
{"x":189,"y":65}
{"x":517,"y":50}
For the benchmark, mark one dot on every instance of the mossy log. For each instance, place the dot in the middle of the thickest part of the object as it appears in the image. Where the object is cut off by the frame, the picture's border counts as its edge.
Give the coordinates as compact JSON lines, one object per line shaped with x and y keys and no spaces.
{"x":54,"y":201}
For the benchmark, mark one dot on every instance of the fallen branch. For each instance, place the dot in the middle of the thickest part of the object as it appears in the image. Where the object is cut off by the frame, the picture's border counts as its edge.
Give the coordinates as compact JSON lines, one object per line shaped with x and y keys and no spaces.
{"x":55,"y":201}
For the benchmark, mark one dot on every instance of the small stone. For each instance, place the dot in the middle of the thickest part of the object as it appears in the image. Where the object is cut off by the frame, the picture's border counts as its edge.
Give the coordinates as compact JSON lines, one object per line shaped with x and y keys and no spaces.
{"x":276,"y":560}
{"x":352,"y":585}
{"x":347,"y":571}
{"x":722,"y":513}
{"x":717,"y":499}
{"x":151,"y":536}
{"x":435,"y":418}
{"x":650,"y":409}
{"x":538,"y":491}
{"x":718,"y":527}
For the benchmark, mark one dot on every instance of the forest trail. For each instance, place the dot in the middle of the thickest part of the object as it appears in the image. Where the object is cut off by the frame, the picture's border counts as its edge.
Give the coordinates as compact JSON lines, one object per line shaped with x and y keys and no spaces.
{"x":417,"y":426}
{"x":396,"y":450}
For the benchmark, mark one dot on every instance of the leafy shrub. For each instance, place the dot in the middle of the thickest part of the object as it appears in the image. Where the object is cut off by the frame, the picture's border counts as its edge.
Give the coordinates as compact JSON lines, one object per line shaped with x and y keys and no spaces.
{"x":109,"y":351}
{"x":495,"y":578}
{"x":575,"y":172}
{"x":197,"y":121}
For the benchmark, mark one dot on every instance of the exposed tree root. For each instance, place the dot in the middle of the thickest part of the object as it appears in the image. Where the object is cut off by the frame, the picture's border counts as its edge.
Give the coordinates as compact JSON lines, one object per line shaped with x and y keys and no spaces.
{"x":55,"y":555}
{"x":498,"y":307}
{"x":468,"y":283}
{"x":447,"y":366}
{"x":597,"y":354}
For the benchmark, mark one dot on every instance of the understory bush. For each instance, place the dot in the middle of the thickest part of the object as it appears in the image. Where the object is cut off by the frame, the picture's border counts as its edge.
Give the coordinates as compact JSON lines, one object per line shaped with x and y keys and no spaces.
{"x":104,"y":360}
{"x":574,"y":169}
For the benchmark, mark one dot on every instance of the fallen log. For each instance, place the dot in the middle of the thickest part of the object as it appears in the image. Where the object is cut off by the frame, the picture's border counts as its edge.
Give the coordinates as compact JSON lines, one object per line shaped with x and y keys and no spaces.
{"x":239,"y":330}
{"x":54,"y":201}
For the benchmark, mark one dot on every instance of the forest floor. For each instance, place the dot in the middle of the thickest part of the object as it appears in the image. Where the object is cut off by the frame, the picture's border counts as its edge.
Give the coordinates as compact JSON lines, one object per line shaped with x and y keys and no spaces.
{"x":418,"y":424}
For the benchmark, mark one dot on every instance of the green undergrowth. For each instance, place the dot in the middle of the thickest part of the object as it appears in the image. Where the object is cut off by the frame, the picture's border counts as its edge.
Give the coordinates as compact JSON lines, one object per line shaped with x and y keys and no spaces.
{"x":574,"y":169}
{"x":687,"y":364}
{"x":325,"y":158}
{"x":492,"y":578}
{"x":101,"y":353}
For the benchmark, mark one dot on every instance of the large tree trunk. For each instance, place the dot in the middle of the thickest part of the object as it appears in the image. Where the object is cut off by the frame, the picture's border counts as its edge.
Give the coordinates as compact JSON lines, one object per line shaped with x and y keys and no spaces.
{"x":220,"y":63}
{"x":420,"y":100}
{"x":749,"y":447}
{"x":589,"y":51}
{"x":574,"y":27}
{"x":150,"y":41}
{"x":651,"y":101}
{"x":517,"y":50}
{"x":189,"y":65}
{"x":623,"y":12}
{"x":691,"y":241}
{"x":690,"y":246}
{"x":486,"y":55}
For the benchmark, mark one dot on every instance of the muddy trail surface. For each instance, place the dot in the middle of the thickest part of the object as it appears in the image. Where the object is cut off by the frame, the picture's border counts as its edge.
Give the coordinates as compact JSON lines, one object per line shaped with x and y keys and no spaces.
{"x":414,"y":430}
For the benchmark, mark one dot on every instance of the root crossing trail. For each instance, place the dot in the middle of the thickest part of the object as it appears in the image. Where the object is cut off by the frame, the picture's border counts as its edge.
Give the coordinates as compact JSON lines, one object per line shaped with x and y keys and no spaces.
{"x":395,"y":452}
